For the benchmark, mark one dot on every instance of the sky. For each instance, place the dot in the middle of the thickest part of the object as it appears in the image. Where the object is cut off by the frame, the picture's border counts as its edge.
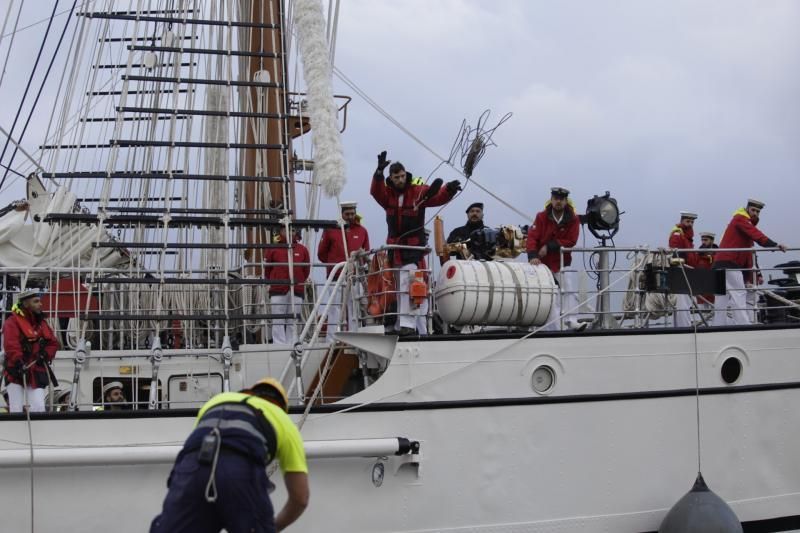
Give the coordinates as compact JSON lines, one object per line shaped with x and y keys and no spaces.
{"x":669,"y":104}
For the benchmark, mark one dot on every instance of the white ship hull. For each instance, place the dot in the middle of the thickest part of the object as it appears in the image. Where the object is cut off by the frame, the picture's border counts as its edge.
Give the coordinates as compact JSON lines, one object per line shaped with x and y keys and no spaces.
{"x":611,"y":448}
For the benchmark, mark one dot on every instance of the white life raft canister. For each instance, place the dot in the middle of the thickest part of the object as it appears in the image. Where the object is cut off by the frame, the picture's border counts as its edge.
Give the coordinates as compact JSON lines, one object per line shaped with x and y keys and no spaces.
{"x":494,"y":293}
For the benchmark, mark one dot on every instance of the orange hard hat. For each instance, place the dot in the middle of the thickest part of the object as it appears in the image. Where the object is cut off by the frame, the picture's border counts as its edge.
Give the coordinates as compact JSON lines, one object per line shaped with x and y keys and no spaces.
{"x":275,"y":385}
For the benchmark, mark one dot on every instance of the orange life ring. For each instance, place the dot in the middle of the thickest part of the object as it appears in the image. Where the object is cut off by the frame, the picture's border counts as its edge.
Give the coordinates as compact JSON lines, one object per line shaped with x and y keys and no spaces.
{"x":381,"y":287}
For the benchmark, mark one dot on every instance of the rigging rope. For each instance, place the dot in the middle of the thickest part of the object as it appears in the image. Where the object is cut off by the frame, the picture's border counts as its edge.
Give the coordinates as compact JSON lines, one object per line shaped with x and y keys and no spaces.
{"x":11,"y":44}
{"x":32,"y":24}
{"x":27,"y":88}
{"x":350,"y":83}
{"x":39,"y":93}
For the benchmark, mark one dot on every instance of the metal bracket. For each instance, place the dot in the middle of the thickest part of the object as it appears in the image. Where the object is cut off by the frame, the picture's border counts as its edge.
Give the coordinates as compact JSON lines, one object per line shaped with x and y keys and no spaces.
{"x":411,"y":461}
{"x":79,"y":358}
{"x":156,"y":354}
{"x":227,"y":356}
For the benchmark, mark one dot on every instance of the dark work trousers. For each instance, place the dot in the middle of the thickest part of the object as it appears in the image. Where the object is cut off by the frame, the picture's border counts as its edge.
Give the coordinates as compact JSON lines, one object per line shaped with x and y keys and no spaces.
{"x":242,"y":506}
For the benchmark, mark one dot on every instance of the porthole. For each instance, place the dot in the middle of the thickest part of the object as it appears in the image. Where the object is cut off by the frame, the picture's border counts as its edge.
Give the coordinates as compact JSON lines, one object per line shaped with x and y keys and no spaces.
{"x":731,"y":370}
{"x":543,"y":379}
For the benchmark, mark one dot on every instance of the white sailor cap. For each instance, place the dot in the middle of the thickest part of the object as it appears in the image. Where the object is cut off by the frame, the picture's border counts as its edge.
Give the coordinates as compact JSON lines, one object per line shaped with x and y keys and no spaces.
{"x":559,"y":192}
{"x":688,"y":214}
{"x":755,"y":203}
{"x":111,"y":385}
{"x":348,"y":205}
{"x":27,"y":293}
{"x":708,"y":234}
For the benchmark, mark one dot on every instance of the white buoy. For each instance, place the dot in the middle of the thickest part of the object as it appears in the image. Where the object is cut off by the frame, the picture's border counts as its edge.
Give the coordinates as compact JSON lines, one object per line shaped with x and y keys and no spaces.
{"x":700,"y":511}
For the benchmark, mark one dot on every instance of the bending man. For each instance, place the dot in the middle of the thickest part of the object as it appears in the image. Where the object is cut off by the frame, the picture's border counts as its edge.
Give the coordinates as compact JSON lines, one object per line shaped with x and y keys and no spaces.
{"x":219,"y":478}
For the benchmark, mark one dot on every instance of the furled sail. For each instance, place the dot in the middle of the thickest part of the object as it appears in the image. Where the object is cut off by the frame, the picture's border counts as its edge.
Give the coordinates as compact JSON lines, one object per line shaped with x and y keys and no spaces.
{"x":28,"y":242}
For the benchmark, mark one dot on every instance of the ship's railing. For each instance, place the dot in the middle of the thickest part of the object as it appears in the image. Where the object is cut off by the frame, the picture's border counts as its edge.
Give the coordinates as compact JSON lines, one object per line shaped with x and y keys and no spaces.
{"x":185,"y":314}
{"x":193,"y":308}
{"x":176,"y":379}
{"x":377,"y":290}
{"x":366,"y":289}
{"x":772,"y":292}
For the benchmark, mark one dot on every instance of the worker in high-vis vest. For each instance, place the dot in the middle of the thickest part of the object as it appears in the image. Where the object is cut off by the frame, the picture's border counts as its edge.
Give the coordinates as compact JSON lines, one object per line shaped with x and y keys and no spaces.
{"x":219,"y":478}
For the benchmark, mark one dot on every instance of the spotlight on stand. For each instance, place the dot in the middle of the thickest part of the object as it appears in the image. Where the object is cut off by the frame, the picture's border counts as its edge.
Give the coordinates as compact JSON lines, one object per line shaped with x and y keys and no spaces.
{"x":602,"y":216}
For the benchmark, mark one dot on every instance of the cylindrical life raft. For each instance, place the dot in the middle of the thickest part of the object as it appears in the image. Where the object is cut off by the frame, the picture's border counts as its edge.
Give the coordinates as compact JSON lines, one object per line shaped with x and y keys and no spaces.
{"x":494,"y":293}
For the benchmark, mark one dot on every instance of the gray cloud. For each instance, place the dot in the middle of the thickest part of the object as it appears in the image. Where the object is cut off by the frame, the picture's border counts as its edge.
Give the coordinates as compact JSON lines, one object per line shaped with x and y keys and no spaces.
{"x":671,"y":105}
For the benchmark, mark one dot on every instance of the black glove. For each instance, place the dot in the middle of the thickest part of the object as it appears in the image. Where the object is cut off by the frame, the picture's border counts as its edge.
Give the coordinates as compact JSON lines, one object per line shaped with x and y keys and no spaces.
{"x":17,"y":370}
{"x":382,"y":161}
{"x":434,"y":188}
{"x":453,"y":187}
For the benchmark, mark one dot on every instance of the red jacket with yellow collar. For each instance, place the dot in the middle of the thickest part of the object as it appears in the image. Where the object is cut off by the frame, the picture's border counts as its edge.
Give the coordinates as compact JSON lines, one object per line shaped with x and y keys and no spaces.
{"x":740,"y":233}
{"x":683,"y":238}
{"x":27,"y":340}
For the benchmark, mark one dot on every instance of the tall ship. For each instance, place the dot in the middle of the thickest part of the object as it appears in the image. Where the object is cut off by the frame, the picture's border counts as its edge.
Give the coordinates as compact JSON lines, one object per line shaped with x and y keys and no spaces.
{"x":189,"y":142}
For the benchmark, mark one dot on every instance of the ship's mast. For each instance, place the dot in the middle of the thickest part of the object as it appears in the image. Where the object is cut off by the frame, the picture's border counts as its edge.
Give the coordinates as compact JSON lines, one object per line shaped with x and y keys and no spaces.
{"x":272,"y":101}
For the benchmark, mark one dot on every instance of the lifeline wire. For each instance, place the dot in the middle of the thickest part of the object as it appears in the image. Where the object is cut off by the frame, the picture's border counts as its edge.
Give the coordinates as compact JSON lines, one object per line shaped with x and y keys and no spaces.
{"x":347,"y":81}
{"x":696,"y":370}
{"x":633,"y":269}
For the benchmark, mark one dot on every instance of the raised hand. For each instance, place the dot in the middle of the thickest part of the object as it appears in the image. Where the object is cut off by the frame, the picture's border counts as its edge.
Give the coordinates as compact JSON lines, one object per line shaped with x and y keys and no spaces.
{"x":453,"y":187}
{"x":382,"y":161}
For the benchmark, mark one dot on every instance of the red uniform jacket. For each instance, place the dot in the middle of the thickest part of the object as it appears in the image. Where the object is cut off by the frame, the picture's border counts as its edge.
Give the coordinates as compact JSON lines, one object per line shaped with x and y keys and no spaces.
{"x":740,"y":233}
{"x":25,"y":338}
{"x":281,"y":272}
{"x":545,"y":231}
{"x":683,"y":238}
{"x":331,"y":246}
{"x":405,"y":214}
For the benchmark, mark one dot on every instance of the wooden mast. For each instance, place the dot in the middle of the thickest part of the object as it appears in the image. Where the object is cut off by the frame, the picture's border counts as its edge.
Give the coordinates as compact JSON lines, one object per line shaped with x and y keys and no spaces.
{"x":263,"y":162}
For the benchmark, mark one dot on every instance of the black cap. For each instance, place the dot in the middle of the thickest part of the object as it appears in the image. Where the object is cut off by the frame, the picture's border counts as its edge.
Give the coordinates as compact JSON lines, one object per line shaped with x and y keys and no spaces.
{"x":559,"y":192}
{"x":479,"y":205}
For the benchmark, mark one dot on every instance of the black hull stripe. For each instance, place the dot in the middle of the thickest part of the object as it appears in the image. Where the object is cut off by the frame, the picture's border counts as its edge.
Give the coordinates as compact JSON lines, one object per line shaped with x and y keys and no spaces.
{"x":785,"y":523}
{"x":434,"y":405}
{"x":770,"y":525}
{"x":627,"y":332}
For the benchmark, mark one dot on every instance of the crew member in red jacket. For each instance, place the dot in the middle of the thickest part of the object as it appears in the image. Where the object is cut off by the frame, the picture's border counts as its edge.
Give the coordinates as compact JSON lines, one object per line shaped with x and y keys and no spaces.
{"x":336,"y":246}
{"x":682,"y":237}
{"x":30,"y":346}
{"x":740,"y":233}
{"x":554,"y":228}
{"x":282,"y":300}
{"x":404,"y":199}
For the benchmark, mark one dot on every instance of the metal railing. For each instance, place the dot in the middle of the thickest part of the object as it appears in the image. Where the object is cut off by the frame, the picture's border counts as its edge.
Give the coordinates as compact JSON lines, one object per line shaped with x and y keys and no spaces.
{"x":634,"y":305}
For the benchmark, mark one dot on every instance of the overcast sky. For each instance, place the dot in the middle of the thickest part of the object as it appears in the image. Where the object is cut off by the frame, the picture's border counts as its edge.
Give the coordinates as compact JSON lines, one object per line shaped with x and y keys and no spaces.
{"x":671,"y":105}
